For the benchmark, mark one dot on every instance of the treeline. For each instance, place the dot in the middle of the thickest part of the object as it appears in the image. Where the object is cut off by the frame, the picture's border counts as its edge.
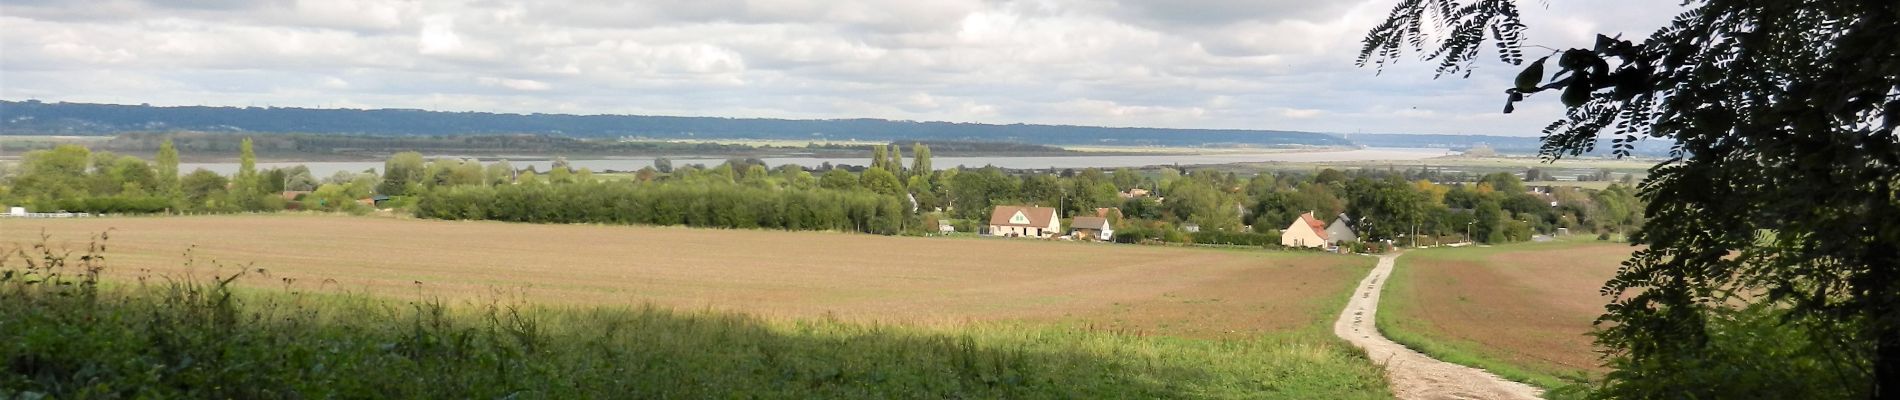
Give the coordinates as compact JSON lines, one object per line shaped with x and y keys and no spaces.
{"x":696,"y":204}
{"x":739,"y":194}
{"x":75,"y":179}
{"x":1161,"y":204}
{"x":890,"y":195}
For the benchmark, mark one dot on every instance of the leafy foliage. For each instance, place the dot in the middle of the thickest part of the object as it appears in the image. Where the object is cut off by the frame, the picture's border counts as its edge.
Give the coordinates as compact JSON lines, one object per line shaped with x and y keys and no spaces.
{"x":710,"y":204}
{"x":1781,"y":183}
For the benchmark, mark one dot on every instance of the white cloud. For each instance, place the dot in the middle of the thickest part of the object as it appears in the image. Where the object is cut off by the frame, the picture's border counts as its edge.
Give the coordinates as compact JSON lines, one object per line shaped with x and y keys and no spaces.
{"x":1261,"y":64}
{"x":525,"y":85}
{"x":438,"y":36}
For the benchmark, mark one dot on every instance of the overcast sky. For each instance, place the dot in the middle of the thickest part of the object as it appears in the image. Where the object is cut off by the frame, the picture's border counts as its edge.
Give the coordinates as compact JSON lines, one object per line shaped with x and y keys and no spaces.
{"x":1263,"y":64}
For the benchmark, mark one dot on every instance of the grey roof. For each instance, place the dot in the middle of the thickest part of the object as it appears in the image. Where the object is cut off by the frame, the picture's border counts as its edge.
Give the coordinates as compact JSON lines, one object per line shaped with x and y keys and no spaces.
{"x":1096,"y":223}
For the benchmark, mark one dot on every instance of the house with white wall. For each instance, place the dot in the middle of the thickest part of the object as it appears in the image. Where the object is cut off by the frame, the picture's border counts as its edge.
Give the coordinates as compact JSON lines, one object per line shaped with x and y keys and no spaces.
{"x":1024,"y":221}
{"x":1305,"y":231}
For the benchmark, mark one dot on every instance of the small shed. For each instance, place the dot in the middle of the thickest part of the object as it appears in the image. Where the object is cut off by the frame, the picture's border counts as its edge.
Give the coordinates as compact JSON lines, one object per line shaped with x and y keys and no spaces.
{"x":1095,"y":228}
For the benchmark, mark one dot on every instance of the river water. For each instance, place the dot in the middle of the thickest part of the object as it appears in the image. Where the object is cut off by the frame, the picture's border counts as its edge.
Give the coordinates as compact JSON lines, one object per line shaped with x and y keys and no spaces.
{"x":327,"y":168}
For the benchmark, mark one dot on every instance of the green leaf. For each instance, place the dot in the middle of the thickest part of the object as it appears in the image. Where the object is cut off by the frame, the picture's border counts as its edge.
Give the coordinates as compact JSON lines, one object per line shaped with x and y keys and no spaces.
{"x":1578,"y":92}
{"x":1531,"y":76}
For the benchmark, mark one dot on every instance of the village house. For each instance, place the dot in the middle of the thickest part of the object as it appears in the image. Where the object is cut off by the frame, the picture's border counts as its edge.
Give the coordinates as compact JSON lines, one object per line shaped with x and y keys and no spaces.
{"x":1094,"y":228}
{"x":1341,"y":231}
{"x":1136,"y":192}
{"x":1305,"y":231}
{"x":1024,"y":221}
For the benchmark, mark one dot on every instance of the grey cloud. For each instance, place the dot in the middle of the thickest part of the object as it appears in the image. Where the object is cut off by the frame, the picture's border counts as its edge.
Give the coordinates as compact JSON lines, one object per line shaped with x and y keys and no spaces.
{"x":1271,"y":64}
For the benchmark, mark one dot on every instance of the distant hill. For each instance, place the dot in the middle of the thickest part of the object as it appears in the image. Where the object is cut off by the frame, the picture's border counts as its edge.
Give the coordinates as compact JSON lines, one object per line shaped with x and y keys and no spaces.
{"x":35,"y":117}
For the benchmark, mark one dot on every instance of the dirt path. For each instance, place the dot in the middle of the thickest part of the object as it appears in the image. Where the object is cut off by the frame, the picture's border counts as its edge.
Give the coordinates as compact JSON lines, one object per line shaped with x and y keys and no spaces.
{"x":1414,"y":375}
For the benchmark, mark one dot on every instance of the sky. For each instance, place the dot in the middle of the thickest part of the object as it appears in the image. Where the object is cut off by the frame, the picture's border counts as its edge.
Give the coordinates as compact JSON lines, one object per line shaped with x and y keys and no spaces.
{"x":1225,"y":64}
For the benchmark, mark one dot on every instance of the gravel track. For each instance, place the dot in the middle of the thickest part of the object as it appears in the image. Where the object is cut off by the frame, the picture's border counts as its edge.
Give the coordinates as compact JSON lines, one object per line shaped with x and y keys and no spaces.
{"x":1414,"y":375}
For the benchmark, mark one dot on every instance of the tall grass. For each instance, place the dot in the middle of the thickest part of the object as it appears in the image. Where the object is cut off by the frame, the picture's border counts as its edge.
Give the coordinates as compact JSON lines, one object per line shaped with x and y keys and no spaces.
{"x":65,"y":334}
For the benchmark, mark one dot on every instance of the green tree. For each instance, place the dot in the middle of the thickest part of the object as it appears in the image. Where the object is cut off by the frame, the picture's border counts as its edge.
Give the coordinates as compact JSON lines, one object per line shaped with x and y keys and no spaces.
{"x":838,"y":179}
{"x":201,"y":187}
{"x":1198,"y":202}
{"x":663,"y":164}
{"x":974,"y":192}
{"x":1393,"y":203}
{"x":167,"y":168}
{"x":402,"y":172}
{"x":881,"y":182}
{"x":52,"y":174}
{"x":1489,"y":222}
{"x":500,"y":173}
{"x":247,"y":180}
{"x":920,"y":159}
{"x":299,"y":178}
{"x":1781,"y":182}
{"x":896,"y":164}
{"x":134,"y":177}
{"x":879,"y":158}
{"x":1126,"y":178}
{"x":1041,"y":189}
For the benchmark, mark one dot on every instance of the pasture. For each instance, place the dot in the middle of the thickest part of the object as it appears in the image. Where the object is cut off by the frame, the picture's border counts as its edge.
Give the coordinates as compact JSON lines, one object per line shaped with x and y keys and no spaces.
{"x":1523,"y":311}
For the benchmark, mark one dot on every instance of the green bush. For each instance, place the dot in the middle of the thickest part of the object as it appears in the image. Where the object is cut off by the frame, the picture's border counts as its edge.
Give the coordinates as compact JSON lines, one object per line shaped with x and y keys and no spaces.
{"x":1758,"y":352}
{"x":1237,"y":238}
{"x":117,"y":204}
{"x":714,"y":205}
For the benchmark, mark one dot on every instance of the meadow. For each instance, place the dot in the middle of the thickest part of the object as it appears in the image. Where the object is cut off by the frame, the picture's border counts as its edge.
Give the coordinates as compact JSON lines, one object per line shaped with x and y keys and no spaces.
{"x":344,"y":306}
{"x":1523,"y":311}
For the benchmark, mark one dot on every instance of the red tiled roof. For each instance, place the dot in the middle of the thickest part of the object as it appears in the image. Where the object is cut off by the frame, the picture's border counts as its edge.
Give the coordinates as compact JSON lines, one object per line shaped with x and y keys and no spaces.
{"x":1319,"y":228}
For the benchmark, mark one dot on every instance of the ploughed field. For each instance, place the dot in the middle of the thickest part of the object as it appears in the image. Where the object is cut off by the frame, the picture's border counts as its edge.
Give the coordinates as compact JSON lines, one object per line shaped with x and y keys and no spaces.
{"x":1523,"y":310}
{"x":780,"y":275}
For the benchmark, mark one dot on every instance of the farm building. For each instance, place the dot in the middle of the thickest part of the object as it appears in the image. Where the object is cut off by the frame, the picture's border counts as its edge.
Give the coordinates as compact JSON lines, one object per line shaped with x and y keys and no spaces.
{"x":1305,"y":231}
{"x":1024,"y":221}
{"x":1340,"y":231}
{"x":1096,"y":228}
{"x":945,"y":227}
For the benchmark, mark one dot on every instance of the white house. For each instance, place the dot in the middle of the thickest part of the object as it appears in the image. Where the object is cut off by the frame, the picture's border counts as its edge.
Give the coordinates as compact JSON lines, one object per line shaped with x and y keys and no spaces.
{"x":1096,"y":228}
{"x":1024,"y":221}
{"x":1305,"y":231}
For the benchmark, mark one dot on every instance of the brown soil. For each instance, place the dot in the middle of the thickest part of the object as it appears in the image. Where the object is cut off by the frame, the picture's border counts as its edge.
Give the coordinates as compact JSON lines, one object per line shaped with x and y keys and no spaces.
{"x":1150,"y":290}
{"x":1413,"y":375}
{"x":1531,"y":307}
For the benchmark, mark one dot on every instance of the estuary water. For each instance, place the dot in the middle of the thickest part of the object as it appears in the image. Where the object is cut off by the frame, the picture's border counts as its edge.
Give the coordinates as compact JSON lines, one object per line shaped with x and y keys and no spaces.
{"x":326,"y":168}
